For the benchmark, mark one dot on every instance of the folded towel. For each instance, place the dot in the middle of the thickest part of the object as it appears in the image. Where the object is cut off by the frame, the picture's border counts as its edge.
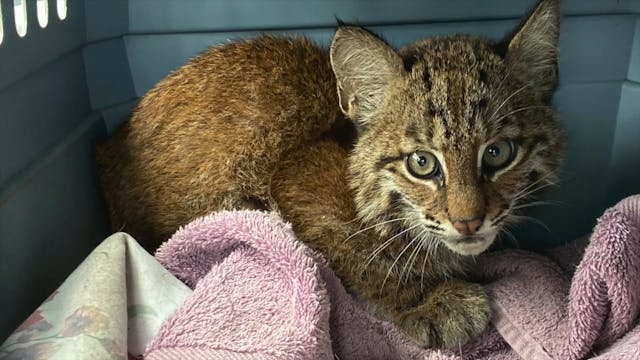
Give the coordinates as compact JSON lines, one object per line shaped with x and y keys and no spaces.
{"x":544,"y":313}
{"x":260,"y":294}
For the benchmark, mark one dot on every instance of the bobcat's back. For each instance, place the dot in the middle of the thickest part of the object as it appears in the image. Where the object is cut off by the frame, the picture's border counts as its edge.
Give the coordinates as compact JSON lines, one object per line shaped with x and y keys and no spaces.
{"x":210,"y":135}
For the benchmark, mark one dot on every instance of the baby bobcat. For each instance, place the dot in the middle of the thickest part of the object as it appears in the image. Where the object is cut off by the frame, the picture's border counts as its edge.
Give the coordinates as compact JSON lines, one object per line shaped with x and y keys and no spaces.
{"x":397,"y":178}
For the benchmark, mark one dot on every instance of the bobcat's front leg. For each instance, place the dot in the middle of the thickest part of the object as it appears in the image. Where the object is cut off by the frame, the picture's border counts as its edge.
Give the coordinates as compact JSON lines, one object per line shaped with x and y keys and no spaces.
{"x":451,"y":314}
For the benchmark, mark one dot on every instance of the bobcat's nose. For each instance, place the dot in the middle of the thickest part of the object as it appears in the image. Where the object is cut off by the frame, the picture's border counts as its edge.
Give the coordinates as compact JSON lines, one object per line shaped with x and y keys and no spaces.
{"x":467,"y":227}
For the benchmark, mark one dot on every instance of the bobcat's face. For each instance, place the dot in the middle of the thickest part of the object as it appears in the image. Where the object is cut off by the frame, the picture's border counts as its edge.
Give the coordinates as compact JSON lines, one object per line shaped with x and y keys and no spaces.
{"x":455,"y":146}
{"x":455,"y":134}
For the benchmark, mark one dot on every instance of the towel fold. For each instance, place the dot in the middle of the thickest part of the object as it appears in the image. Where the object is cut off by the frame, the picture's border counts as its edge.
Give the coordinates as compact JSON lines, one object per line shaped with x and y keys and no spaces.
{"x":261,"y":294}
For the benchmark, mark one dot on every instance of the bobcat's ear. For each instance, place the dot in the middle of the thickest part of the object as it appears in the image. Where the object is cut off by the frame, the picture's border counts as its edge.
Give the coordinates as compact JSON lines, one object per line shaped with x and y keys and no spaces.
{"x":533,"y":49}
{"x":363,"y":65}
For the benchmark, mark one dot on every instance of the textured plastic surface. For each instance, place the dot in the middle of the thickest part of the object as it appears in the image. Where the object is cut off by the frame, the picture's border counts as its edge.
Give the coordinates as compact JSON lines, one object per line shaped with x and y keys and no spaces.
{"x":66,"y":85}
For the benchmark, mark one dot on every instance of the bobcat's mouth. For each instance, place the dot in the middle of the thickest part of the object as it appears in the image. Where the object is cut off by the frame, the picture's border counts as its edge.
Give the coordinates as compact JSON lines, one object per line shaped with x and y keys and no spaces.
{"x":472,"y":244}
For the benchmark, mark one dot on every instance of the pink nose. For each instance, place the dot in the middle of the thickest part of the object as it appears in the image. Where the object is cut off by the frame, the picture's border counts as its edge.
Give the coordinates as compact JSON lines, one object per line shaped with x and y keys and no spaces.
{"x":467,"y":227}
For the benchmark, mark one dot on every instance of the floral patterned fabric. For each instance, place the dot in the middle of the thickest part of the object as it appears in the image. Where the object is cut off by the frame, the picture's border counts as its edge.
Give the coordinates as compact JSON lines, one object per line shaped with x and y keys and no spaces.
{"x":110,"y":307}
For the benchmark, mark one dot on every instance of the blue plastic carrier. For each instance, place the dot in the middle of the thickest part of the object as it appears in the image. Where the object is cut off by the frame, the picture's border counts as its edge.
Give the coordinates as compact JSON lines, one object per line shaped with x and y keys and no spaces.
{"x":70,"y":71}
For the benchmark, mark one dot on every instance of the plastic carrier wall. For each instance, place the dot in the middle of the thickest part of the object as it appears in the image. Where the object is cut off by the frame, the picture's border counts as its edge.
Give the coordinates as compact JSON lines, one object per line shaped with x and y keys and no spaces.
{"x":70,"y":71}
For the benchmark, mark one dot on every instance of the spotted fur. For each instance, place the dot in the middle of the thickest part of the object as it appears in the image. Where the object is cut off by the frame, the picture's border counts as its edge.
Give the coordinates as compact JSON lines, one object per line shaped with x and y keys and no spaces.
{"x":259,"y":124}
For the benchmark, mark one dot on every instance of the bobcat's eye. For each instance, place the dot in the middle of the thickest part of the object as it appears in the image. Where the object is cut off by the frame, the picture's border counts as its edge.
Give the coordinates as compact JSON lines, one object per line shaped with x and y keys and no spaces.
{"x":499,"y":154}
{"x":423,"y":165}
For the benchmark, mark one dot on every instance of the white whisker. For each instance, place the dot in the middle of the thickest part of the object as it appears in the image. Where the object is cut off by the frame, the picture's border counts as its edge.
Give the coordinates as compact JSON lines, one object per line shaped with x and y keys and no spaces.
{"x":530,"y":192}
{"x":408,"y":266}
{"x":531,"y":219}
{"x":505,"y":101}
{"x":406,"y":269}
{"x":534,"y":204}
{"x":384,"y":245}
{"x":520,"y":110}
{"x":372,"y":226}
{"x":394,"y":263}
{"x":503,"y":80}
{"x":430,"y":250}
{"x":527,"y":190}
{"x":505,"y":230}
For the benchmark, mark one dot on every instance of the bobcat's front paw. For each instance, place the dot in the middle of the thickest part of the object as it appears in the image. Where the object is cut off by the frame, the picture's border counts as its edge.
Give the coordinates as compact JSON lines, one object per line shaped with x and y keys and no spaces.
{"x":453,"y":314}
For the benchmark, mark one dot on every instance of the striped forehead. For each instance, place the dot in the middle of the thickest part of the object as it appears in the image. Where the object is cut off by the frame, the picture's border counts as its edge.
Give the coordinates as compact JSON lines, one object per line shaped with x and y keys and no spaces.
{"x":457,"y":81}
{"x":454,"y":109}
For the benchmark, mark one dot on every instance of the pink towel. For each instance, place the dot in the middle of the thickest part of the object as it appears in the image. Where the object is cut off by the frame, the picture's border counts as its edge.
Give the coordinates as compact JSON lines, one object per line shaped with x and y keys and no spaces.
{"x":260,"y":294}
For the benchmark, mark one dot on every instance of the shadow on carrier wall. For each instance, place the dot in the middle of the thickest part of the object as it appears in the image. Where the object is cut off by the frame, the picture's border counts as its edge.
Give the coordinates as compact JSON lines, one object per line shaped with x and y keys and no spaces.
{"x":73,"y":79}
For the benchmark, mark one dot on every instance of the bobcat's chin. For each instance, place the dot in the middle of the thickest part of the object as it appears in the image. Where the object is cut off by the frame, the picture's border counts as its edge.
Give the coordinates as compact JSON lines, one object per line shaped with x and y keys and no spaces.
{"x":472,"y":244}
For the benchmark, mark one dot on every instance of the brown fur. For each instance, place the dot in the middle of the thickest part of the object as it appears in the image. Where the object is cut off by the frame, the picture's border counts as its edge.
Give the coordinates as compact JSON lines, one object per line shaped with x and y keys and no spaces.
{"x":258,"y":124}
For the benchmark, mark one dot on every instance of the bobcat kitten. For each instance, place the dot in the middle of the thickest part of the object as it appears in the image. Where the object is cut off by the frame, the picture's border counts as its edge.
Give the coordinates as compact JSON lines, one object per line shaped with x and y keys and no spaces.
{"x":398,"y":178}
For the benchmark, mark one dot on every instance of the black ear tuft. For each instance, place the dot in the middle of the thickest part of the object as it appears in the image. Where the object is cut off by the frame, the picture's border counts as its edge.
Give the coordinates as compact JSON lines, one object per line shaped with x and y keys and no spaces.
{"x":408,"y":61}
